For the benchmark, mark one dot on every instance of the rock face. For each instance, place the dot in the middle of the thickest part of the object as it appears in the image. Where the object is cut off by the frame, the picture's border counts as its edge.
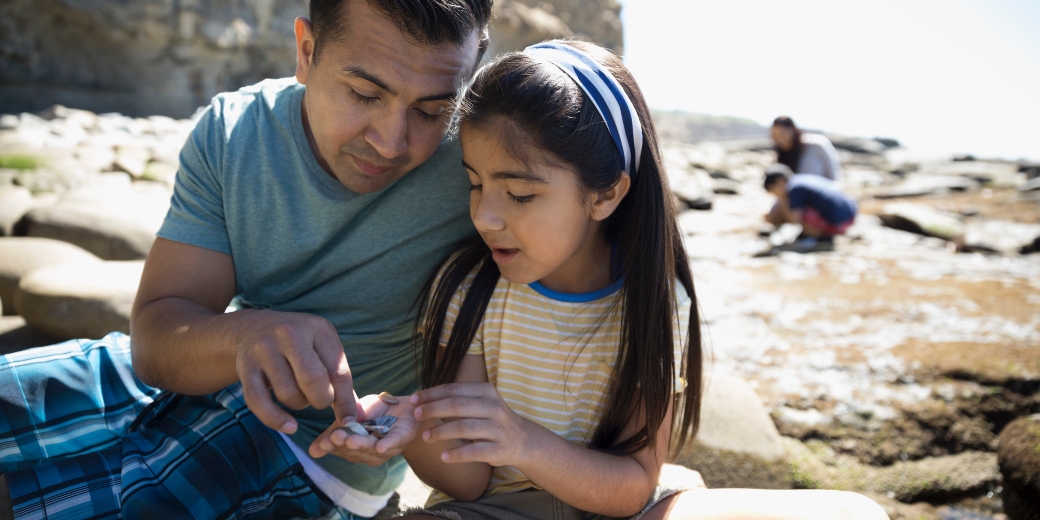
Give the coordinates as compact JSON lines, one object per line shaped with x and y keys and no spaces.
{"x":115,"y":222}
{"x":79,"y":300}
{"x":159,"y":57}
{"x":15,"y":201}
{"x":737,"y":444}
{"x":20,"y":256}
{"x":1019,"y":456}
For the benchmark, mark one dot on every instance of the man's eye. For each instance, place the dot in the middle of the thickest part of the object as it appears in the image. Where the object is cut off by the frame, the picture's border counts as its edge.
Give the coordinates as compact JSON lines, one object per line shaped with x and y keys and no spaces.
{"x":476,"y":187}
{"x":521,"y":199}
{"x":364,"y":100}
{"x":426,"y":116}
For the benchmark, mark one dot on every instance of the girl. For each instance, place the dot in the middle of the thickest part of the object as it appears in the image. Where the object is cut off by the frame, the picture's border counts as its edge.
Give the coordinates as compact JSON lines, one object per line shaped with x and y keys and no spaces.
{"x":561,"y":350}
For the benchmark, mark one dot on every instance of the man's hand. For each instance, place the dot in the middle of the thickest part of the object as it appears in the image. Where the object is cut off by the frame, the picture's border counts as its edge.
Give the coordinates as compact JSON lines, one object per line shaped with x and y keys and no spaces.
{"x":499,"y":435}
{"x":300,"y":359}
{"x":369,"y":449}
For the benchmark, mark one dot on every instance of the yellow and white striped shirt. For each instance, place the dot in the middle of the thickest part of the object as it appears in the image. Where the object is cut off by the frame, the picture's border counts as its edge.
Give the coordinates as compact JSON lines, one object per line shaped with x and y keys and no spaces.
{"x":551,"y":356}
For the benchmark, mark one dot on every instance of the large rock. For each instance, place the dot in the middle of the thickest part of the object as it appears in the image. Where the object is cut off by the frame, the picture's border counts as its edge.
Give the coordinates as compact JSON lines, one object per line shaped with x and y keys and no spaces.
{"x":21,"y":255}
{"x":737,"y":444}
{"x":115,"y":222}
{"x":1019,"y":454}
{"x":999,"y":236}
{"x":79,"y":300}
{"x":160,"y":57}
{"x":918,"y":185}
{"x":920,"y":219}
{"x":693,"y":186}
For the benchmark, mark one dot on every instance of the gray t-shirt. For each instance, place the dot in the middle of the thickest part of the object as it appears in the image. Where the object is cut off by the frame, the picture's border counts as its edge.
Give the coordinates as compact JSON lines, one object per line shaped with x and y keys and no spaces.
{"x":249,"y":186}
{"x":819,"y":157}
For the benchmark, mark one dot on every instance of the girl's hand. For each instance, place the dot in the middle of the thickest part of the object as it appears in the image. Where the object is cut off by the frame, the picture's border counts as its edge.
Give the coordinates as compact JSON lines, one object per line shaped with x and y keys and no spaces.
{"x":369,"y":449}
{"x":475,"y":412}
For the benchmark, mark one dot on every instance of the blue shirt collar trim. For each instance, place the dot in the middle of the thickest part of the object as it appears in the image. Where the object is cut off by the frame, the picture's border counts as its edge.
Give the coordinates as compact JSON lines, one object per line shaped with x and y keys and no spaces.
{"x":577,"y":298}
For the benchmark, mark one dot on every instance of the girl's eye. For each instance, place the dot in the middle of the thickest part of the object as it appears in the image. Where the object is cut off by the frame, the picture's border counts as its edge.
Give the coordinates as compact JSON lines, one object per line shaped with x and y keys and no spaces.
{"x":364,"y":100}
{"x":521,"y":199}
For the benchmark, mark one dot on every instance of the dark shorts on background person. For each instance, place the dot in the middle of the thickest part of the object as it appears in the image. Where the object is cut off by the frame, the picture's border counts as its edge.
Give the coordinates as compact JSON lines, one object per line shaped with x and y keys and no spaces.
{"x":82,"y":437}
{"x":813,"y":218}
{"x":530,"y":504}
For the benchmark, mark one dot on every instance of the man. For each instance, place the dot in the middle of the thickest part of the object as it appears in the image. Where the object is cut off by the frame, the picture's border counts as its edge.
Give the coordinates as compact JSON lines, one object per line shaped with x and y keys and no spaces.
{"x":320,"y":203}
{"x":813,"y":201}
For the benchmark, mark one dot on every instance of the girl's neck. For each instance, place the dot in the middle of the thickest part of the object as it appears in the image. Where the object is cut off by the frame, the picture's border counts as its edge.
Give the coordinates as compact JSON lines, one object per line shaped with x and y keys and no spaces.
{"x":587,"y":270}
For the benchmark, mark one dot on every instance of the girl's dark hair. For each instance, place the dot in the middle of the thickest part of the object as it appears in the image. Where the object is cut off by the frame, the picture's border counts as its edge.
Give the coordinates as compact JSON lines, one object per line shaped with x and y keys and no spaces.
{"x":542,"y":115}
{"x":792,"y":156}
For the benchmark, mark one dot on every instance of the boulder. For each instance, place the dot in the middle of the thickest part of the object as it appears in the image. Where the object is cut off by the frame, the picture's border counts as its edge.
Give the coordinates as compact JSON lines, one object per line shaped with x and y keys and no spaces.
{"x":693,"y":186}
{"x":21,"y":255}
{"x":1019,"y":454}
{"x":15,"y":201}
{"x":923,"y":220}
{"x":15,"y":335}
{"x":999,"y":236}
{"x":1033,"y":247}
{"x":918,"y":185}
{"x":113,"y":220}
{"x":1032,"y":185}
{"x":86,"y":300}
{"x":737,"y":444}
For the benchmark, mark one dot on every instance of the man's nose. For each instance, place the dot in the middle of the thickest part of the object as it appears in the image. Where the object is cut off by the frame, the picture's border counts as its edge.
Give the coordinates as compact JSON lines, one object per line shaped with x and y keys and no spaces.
{"x":486,"y":214}
{"x":389,"y":134}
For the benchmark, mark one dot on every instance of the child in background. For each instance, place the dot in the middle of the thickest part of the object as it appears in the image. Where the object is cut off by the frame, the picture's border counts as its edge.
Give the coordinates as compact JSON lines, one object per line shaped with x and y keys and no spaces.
{"x":561,"y":350}
{"x":815,"y":202}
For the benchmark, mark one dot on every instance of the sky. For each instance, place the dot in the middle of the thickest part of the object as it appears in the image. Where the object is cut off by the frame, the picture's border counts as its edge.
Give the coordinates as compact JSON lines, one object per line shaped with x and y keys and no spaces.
{"x":956,"y":76}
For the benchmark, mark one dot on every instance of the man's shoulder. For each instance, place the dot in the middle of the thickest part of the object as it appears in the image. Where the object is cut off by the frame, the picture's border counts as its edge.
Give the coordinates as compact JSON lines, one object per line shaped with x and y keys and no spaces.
{"x":248,"y":102}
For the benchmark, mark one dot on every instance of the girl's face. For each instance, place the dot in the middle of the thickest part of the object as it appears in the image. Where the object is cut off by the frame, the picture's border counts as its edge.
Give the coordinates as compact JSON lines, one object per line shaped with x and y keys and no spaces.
{"x":538,"y":221}
{"x":783,"y":137}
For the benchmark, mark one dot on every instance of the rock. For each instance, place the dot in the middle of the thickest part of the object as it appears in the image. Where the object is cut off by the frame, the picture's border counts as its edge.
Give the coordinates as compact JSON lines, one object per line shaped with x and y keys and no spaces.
{"x":994,"y":174}
{"x":15,"y":335}
{"x":1034,"y":247}
{"x":999,"y":236}
{"x":132,"y":160}
{"x":920,"y":219}
{"x":737,"y":444}
{"x":1031,"y":169}
{"x":888,"y":142}
{"x":856,"y":144}
{"x":693,"y":186}
{"x":21,"y":255}
{"x":115,"y":220}
{"x":1032,"y":185}
{"x":519,"y":23}
{"x":918,"y":185}
{"x":726,"y":187}
{"x":15,"y":201}
{"x":87,"y":300}
{"x":816,"y":466}
{"x":897,"y":510}
{"x":518,"y":26}
{"x":1019,"y":454}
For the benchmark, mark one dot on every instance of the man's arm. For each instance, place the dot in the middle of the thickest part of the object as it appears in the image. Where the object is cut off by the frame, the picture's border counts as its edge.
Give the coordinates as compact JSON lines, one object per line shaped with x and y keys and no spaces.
{"x":182,"y":340}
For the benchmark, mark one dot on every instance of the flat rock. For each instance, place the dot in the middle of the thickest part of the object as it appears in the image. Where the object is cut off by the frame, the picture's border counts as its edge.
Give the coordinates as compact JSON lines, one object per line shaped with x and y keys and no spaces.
{"x":923,"y":220}
{"x":15,"y":335}
{"x":999,"y":236}
{"x":816,"y":466}
{"x":693,"y":186}
{"x":15,"y":201}
{"x":21,"y":255}
{"x":86,"y":300}
{"x":737,"y":444}
{"x":1032,"y":185}
{"x":1019,"y":454}
{"x":114,"y":221}
{"x":918,"y":185}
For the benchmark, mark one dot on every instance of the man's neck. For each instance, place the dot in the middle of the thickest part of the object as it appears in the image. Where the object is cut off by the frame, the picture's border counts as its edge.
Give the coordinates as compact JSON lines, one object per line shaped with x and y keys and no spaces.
{"x":310,"y":137}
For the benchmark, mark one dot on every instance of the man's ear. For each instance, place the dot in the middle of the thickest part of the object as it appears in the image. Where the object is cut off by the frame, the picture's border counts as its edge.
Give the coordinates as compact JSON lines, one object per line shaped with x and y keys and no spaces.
{"x":605,"y":202}
{"x":304,"y":48}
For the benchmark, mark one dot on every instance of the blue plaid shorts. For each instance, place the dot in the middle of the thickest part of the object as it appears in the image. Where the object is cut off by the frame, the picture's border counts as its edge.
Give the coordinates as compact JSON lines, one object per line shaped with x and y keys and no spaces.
{"x":81,"y":437}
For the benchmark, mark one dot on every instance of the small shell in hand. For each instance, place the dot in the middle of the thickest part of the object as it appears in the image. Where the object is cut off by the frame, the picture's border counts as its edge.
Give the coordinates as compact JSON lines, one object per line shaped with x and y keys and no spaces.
{"x":388,"y":398}
{"x":379,"y":426}
{"x":353,"y":428}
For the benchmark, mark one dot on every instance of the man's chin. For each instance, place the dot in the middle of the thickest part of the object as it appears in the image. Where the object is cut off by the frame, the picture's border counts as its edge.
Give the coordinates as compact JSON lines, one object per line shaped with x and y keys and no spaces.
{"x":361,"y":183}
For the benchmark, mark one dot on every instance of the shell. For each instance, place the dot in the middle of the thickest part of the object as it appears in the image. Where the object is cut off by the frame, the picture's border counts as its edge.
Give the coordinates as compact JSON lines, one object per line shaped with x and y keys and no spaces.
{"x":379,"y":426}
{"x":353,"y":428}
{"x":388,"y":398}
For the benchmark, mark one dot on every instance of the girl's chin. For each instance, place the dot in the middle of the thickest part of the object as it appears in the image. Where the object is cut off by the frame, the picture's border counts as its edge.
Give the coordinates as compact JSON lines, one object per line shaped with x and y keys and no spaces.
{"x":517,"y":276}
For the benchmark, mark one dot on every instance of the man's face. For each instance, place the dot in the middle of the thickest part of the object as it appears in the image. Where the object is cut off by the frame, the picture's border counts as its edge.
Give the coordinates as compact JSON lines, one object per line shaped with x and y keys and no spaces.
{"x":377,"y":103}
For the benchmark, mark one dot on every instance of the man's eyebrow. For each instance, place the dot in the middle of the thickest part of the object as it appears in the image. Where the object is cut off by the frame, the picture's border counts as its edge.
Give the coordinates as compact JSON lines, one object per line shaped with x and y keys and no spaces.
{"x":362,"y":74}
{"x":521,"y":176}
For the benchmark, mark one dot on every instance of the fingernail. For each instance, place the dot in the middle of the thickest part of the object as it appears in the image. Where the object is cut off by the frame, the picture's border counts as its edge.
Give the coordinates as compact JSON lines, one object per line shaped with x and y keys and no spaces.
{"x":426,"y":435}
{"x":288,"y":428}
{"x":444,"y":456}
{"x":348,"y":419}
{"x":418,"y":413}
{"x":414,"y":399}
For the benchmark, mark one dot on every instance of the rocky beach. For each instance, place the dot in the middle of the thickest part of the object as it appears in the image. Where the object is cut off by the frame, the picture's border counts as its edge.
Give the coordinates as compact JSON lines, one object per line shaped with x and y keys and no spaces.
{"x":905,"y":364}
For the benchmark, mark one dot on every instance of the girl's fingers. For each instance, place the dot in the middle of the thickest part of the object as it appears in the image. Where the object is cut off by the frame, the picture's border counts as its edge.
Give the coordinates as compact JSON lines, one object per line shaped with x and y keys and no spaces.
{"x":450,"y":390}
{"x":473,"y":452}
{"x":468,"y":429}
{"x":451,"y":407}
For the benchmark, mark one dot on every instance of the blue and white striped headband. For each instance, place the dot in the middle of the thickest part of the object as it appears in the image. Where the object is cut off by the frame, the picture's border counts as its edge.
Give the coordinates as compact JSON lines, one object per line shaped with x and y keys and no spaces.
{"x":604,"y":91}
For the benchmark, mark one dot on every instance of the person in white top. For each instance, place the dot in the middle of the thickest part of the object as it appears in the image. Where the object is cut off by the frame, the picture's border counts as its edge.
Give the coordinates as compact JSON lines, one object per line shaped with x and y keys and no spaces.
{"x":804,"y":152}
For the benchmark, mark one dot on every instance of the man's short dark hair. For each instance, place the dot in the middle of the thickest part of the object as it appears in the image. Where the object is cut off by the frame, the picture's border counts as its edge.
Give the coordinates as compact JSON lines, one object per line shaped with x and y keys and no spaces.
{"x":429,"y":22}
{"x":776,"y":172}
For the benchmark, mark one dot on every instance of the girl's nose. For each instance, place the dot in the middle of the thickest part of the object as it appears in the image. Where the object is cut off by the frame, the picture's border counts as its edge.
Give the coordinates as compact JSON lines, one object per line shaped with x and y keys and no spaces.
{"x":485,"y":213}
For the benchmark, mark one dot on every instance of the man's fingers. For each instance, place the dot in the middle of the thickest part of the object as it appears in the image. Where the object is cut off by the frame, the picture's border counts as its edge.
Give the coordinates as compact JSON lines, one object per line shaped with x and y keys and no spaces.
{"x":449,"y":390}
{"x":312,"y":378}
{"x":282,"y":382}
{"x":330,"y":351}
{"x":259,"y":401}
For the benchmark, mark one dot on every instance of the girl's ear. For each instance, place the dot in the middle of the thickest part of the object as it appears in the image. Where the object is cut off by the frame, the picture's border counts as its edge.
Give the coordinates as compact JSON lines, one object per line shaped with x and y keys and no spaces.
{"x":605,"y":202}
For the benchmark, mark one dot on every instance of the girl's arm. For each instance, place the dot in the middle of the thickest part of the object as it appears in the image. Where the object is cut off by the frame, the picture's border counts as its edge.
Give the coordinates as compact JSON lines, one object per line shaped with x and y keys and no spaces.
{"x":593,"y":481}
{"x":466,"y":481}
